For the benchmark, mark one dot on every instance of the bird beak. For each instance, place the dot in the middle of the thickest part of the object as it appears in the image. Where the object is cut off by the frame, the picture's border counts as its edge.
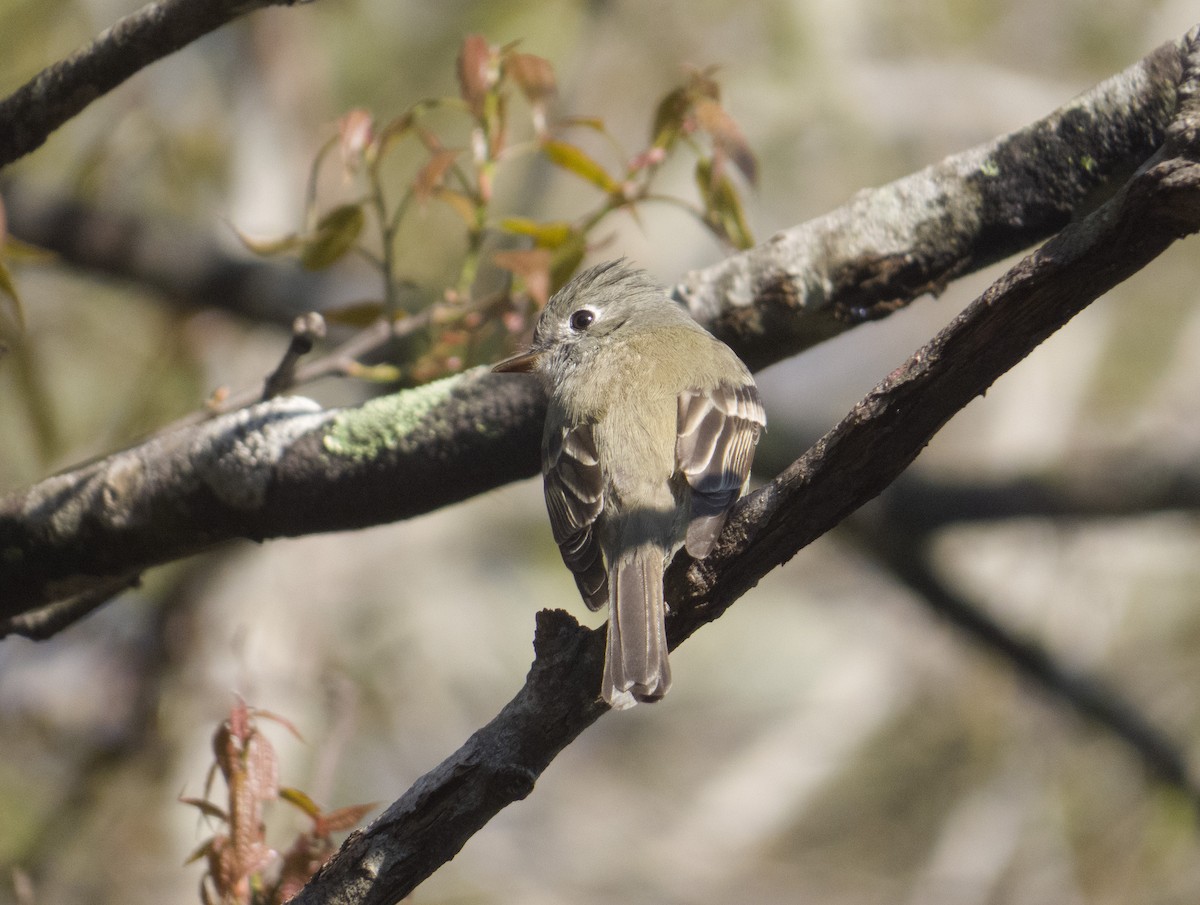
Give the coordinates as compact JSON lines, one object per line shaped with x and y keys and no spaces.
{"x":518,"y":364}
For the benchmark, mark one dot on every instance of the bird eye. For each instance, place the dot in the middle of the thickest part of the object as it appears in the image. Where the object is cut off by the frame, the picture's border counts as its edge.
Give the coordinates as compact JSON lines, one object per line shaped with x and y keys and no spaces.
{"x":582,"y":319}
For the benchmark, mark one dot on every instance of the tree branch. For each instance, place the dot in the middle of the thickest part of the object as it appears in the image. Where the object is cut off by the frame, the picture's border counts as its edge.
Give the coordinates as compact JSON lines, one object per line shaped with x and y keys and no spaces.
{"x":189,"y":267}
{"x":59,"y":92}
{"x":396,"y":457}
{"x":849,"y":466}
{"x":890,"y":245}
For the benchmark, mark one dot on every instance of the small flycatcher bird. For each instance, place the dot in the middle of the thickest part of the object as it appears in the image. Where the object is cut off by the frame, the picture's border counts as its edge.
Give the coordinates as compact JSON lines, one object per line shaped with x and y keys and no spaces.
{"x":650,"y":432}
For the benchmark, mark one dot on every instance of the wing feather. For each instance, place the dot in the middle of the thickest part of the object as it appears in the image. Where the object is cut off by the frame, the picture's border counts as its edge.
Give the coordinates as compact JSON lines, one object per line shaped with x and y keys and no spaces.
{"x":574,"y":487}
{"x":718,"y":429}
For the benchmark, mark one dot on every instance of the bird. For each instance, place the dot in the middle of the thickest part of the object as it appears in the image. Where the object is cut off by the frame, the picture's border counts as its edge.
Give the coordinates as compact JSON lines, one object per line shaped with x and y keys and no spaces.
{"x":650,"y":433}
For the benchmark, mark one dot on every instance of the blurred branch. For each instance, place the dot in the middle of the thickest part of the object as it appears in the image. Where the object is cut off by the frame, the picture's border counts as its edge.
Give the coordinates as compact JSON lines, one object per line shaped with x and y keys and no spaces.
{"x":1100,"y":490}
{"x":186,"y":265}
{"x":256,"y":473}
{"x":60,"y":91}
{"x":904,"y":549}
{"x":850,"y":465}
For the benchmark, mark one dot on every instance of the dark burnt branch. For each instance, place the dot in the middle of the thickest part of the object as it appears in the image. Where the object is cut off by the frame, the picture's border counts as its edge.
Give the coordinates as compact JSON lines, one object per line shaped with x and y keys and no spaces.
{"x":400,"y":456}
{"x":59,"y":92}
{"x":845,"y":469}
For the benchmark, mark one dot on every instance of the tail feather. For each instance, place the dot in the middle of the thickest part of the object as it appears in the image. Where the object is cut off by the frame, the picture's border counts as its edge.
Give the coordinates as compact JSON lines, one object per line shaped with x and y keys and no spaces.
{"x":635,"y":661}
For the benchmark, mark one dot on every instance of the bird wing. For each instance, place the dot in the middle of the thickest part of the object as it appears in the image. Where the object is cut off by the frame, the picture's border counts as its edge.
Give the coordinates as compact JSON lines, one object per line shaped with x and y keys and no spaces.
{"x":574,"y":489}
{"x":717,"y":430}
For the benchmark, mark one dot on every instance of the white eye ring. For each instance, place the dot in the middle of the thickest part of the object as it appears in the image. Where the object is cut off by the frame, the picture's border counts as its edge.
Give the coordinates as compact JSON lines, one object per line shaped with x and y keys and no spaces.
{"x":582,"y":319}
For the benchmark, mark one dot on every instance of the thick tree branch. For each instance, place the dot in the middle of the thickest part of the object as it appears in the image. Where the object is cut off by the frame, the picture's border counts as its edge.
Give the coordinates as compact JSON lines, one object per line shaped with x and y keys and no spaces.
{"x":891,"y":245}
{"x":846,"y":468}
{"x":59,"y":92}
{"x":312,"y":471}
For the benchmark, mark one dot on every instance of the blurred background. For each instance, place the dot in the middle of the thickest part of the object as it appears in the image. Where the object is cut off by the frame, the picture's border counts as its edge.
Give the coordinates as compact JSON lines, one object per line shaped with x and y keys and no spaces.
{"x":830,"y":739}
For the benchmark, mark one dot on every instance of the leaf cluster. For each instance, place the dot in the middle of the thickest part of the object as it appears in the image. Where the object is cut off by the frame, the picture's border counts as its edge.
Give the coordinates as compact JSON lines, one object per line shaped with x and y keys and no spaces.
{"x":241,"y":868}
{"x":471,"y":320}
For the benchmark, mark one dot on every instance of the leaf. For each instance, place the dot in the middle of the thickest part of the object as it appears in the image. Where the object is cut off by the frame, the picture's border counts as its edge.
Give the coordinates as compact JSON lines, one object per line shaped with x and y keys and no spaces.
{"x":575,"y":160}
{"x":713,"y":119}
{"x":532,"y":265}
{"x":377,"y":373}
{"x":354,"y":314}
{"x":206,"y":807}
{"x":534,"y":75}
{"x":669,"y":117}
{"x":344,"y":818}
{"x":461,"y":204}
{"x":392,"y":132}
{"x":430,"y":177}
{"x":202,"y":851}
{"x":335,"y":235}
{"x":722,"y":206}
{"x":475,"y":73}
{"x":544,"y":235}
{"x":300,"y":800}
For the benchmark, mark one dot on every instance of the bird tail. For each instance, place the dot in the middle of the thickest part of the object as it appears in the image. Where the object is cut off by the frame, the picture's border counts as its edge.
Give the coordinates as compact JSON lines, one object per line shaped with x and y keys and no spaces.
{"x":635,"y":661}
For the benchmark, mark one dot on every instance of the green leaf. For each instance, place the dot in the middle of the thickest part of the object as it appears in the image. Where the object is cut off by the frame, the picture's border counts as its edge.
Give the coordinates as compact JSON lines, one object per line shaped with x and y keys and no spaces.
{"x":722,"y":207}
{"x":544,"y":235}
{"x":301,"y":800}
{"x":669,"y":117}
{"x":377,"y":373}
{"x":576,"y":160}
{"x":354,"y":314}
{"x":335,"y":235}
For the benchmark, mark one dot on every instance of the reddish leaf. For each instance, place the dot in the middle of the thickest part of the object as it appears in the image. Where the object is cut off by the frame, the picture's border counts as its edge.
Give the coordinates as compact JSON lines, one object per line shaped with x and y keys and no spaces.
{"x":475,"y":72}
{"x":344,"y":818}
{"x":532,"y":266}
{"x":534,"y":76}
{"x":727,"y":137}
{"x":430,"y":176}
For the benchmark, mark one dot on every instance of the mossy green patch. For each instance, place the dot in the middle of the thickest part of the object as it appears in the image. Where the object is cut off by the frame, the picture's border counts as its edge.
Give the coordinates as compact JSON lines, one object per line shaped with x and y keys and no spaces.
{"x":386,"y":423}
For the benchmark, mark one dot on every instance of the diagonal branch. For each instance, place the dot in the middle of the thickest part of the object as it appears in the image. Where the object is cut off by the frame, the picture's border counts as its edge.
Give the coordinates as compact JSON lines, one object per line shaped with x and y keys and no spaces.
{"x":59,"y":92}
{"x":871,"y":446}
{"x":309,"y":471}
